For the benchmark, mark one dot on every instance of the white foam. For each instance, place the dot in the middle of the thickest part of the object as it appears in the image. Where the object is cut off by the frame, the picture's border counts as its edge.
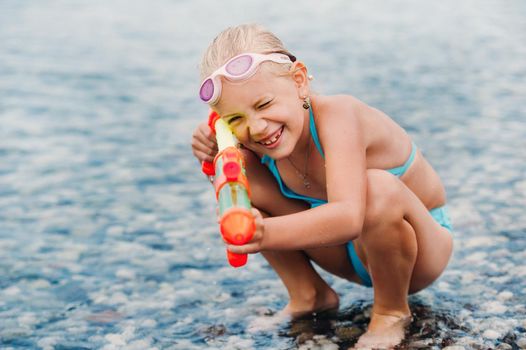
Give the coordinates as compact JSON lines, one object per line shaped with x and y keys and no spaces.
{"x":40,"y":284}
{"x":126,"y":274}
{"x":236,"y":342}
{"x":128,"y":332}
{"x":494,"y":307}
{"x":149,"y":323}
{"x":27,"y":319}
{"x":12,"y":291}
{"x":505,"y":295}
{"x":118,"y":298}
{"x":475,"y":257}
{"x":115,"y":339}
{"x":48,"y":343}
{"x":267,"y":323}
{"x":115,"y":230}
{"x":318,"y":342}
{"x":141,"y":344}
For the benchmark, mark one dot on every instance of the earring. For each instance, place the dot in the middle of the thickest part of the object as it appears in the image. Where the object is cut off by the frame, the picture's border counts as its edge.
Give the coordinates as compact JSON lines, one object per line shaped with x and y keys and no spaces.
{"x":306,"y":102}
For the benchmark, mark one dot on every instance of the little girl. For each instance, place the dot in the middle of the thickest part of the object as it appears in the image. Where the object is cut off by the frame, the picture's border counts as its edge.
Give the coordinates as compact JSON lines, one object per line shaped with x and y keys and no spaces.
{"x":335,"y":182}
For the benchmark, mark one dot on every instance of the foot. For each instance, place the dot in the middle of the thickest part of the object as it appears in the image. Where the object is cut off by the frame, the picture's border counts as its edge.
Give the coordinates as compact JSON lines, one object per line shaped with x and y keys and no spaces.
{"x":384,"y":332}
{"x":324,"y":301}
{"x":296,"y":308}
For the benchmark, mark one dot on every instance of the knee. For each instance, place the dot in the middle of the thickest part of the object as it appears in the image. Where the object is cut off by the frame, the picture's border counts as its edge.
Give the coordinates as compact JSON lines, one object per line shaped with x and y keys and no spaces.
{"x":384,"y":198}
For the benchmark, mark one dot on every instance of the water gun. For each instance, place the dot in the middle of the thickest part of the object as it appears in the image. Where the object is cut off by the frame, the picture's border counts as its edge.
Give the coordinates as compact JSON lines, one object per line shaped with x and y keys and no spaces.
{"x":227,"y":173}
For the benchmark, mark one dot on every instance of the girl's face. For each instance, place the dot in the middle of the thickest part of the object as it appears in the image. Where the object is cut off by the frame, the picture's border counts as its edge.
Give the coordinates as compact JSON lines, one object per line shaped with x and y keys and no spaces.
{"x":265,"y":112}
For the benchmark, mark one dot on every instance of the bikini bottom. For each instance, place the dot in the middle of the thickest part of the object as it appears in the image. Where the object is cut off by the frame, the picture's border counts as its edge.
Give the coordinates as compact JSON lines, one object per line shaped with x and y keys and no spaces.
{"x":440,"y":215}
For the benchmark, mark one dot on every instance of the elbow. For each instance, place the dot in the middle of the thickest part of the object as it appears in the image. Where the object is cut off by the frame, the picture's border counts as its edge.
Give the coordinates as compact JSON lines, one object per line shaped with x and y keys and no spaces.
{"x":352,"y":221}
{"x":355,"y":231}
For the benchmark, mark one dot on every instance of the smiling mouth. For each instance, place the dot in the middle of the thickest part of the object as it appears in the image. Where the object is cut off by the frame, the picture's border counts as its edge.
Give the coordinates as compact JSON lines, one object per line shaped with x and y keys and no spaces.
{"x":272,"y":140}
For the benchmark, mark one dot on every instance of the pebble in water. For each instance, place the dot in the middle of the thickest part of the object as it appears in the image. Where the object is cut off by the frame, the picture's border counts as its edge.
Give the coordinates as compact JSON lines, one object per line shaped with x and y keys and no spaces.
{"x":491,"y":334}
{"x":115,"y":339}
{"x":521,"y":343}
{"x":505,"y":295}
{"x":494,"y":307}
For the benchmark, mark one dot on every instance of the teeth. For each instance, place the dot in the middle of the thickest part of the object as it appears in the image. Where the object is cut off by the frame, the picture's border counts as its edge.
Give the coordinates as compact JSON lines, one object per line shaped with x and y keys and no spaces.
{"x":272,"y":140}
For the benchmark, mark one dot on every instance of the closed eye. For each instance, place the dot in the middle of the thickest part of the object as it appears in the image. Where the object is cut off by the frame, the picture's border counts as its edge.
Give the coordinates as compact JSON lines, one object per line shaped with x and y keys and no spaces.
{"x":263,"y":105}
{"x":233,"y":119}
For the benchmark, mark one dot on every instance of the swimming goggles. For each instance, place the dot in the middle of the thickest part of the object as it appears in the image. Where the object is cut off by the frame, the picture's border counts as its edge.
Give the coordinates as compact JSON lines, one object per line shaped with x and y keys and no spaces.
{"x":240,"y":67}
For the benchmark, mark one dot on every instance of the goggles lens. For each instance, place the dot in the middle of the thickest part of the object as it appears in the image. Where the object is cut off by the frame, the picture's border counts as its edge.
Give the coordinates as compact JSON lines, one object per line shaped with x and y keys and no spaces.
{"x":239,"y":65}
{"x":238,"y":68}
{"x":207,"y":90}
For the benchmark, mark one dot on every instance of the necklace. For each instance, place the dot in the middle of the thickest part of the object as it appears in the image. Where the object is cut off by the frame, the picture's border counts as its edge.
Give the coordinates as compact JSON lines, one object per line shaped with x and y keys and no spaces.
{"x":303,"y":175}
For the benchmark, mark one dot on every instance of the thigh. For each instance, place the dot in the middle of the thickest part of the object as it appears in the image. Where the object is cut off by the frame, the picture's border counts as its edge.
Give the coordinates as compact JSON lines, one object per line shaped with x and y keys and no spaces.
{"x":334,"y":260}
{"x":390,"y":200}
{"x":435,"y":245}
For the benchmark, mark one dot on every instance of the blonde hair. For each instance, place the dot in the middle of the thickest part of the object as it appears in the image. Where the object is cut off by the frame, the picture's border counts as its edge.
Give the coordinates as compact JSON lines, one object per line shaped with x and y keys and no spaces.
{"x":233,"y":41}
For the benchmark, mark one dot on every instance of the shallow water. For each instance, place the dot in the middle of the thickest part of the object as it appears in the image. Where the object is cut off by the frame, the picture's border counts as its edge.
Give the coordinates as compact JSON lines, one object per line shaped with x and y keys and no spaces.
{"x":107,"y":230}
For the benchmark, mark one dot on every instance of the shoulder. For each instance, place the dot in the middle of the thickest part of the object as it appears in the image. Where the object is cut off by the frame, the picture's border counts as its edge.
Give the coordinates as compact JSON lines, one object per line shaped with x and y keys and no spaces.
{"x":339,"y":108}
{"x":339,"y":114}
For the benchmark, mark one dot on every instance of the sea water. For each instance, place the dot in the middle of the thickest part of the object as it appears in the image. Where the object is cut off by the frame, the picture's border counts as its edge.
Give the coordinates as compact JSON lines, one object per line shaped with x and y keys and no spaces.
{"x":108,"y":236}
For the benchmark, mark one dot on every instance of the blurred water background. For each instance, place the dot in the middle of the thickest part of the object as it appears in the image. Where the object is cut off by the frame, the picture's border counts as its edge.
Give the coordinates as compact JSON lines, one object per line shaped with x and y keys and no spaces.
{"x":108,"y":237}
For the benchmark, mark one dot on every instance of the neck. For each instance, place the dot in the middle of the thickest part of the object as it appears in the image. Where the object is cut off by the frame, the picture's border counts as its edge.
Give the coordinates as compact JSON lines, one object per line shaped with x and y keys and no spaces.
{"x":298,"y":154}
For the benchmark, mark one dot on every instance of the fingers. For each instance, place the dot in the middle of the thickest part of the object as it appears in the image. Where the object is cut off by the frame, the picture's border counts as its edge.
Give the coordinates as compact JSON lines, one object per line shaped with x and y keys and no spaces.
{"x":207,"y":136}
{"x":249,"y":248}
{"x":255,"y":245}
{"x":201,"y":145}
{"x":203,"y":157}
{"x":258,"y":220}
{"x":204,"y":144}
{"x":255,"y":212}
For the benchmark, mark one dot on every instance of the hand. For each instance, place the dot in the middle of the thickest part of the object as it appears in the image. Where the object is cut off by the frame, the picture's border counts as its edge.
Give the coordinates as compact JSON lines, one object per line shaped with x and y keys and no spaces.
{"x":204,"y":143}
{"x":256,"y":243}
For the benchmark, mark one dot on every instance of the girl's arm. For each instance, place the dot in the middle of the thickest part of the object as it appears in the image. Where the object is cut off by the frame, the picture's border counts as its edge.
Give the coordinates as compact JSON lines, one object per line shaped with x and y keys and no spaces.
{"x":340,"y":220}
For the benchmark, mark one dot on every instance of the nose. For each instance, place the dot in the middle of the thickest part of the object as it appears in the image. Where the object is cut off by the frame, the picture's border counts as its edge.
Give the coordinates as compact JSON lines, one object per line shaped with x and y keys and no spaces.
{"x":257,"y":126}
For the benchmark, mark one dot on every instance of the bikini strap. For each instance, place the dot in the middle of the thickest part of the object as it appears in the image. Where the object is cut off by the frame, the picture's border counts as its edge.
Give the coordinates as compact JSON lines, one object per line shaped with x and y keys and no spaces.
{"x":314,"y":133}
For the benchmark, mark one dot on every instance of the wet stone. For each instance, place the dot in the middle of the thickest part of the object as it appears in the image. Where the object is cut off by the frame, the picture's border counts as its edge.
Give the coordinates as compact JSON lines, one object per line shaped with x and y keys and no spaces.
{"x":303,"y":338}
{"x":505,"y":295}
{"x":116,"y":339}
{"x":214,"y":331}
{"x":348,"y":333}
{"x":521,"y":343}
{"x":491,"y":334}
{"x":360,"y":318}
{"x":420,"y":344}
{"x":107,"y":316}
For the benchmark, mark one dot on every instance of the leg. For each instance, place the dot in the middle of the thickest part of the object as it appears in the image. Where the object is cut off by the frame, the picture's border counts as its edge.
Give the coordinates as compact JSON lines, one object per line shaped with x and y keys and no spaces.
{"x":404,"y":250}
{"x":307,"y":291}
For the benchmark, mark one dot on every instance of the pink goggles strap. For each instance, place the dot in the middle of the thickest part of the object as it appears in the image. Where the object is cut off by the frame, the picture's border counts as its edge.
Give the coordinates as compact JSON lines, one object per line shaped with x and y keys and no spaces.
{"x":237,"y":68}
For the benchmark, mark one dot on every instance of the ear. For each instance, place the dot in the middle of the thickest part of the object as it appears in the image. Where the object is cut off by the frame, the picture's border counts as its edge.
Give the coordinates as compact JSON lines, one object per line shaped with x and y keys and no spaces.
{"x":299,"y":75}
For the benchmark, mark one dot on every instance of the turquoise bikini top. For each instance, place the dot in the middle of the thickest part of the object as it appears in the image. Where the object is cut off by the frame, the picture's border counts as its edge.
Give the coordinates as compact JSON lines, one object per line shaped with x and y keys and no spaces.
{"x":314,"y":202}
